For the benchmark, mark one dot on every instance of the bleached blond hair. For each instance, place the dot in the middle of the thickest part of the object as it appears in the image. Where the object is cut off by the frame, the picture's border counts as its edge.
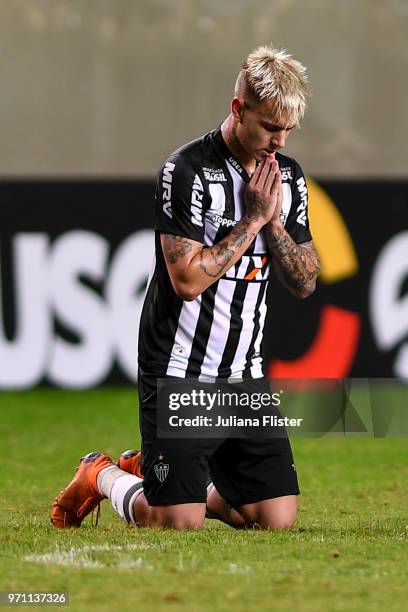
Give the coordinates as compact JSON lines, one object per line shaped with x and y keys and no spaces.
{"x":272,"y":74}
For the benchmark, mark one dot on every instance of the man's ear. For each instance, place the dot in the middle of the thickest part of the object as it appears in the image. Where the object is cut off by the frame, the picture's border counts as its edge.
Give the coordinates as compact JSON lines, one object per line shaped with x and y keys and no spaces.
{"x":238,"y":109}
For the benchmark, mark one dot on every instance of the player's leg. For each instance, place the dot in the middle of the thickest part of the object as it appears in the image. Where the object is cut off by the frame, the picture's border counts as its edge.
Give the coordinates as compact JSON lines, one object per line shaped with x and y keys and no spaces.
{"x":255,"y":480}
{"x":126,"y":492}
{"x":178,"y":516}
{"x":97,"y":478}
{"x":218,"y":508}
{"x":276,"y":513}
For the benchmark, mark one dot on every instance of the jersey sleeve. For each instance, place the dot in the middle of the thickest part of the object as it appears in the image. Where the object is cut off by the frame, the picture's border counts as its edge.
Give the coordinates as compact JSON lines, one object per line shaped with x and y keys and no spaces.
{"x":180,"y":200}
{"x":297,"y":224}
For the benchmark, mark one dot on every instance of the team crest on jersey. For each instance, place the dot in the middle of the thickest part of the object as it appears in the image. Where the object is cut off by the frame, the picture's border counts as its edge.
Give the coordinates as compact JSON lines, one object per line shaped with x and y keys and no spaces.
{"x":161,"y":470}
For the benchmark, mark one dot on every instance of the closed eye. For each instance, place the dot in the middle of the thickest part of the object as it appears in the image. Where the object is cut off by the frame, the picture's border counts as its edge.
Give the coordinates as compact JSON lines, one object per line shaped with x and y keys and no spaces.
{"x":276,"y":128}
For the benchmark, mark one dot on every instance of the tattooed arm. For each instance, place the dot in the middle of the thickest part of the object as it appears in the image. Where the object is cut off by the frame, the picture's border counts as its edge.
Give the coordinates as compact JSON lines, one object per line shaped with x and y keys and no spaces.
{"x":193,"y":268}
{"x":296,"y":265}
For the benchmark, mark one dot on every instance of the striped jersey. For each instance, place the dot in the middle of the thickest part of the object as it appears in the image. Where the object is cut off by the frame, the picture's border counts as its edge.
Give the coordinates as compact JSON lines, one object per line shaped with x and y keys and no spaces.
{"x":199,"y":195}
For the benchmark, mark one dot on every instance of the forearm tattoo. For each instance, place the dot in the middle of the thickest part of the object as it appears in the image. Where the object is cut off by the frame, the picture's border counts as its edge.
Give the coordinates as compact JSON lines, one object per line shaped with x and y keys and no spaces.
{"x":217,"y":259}
{"x":176,"y":247}
{"x":297,"y":265}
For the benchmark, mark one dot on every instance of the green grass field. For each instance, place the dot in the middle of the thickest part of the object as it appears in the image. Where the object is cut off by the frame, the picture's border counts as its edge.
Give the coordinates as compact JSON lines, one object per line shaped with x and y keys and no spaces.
{"x":349,"y":550}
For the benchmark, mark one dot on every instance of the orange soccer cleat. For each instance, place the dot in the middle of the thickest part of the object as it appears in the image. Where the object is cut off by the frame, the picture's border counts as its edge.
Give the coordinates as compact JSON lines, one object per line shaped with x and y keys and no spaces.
{"x":81,"y":496}
{"x":130,"y":461}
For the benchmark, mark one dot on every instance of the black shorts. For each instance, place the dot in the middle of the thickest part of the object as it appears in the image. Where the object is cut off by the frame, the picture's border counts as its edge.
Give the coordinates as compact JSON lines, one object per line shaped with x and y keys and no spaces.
{"x":177,"y":471}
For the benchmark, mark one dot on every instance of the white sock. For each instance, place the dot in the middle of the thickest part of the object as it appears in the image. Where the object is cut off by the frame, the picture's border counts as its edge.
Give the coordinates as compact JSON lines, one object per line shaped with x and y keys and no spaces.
{"x":107,"y":477}
{"x":122,"y":489}
{"x":123,"y":495}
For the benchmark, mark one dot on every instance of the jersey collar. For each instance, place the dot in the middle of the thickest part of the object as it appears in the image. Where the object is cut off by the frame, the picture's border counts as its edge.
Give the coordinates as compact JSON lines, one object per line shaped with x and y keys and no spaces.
{"x":229,"y":156}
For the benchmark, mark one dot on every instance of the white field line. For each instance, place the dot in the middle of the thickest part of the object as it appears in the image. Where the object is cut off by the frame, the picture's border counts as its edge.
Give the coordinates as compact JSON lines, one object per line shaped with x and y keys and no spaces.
{"x":233,"y":568}
{"x":80,"y":556}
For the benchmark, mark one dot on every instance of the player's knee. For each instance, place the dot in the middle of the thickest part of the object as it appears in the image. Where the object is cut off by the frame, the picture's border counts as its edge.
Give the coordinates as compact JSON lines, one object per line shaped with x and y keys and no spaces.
{"x":273,"y":524}
{"x":281,"y":524}
{"x":278,"y":523}
{"x":184,"y":523}
{"x":176,"y":519}
{"x":277,"y":517}
{"x":181,"y":522}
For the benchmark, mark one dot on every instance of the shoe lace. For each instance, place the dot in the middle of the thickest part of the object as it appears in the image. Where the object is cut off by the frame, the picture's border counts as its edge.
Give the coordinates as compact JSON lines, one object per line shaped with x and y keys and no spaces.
{"x":98,"y":512}
{"x":83,"y":508}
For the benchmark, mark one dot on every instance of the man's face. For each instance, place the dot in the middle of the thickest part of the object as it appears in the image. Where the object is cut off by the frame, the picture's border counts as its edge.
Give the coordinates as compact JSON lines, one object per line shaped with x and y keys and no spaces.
{"x":258,"y":128}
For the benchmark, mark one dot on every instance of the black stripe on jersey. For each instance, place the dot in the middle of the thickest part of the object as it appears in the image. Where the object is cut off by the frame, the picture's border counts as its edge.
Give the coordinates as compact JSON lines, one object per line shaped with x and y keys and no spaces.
{"x":234,"y":334}
{"x":202,"y":332}
{"x":250,"y":353}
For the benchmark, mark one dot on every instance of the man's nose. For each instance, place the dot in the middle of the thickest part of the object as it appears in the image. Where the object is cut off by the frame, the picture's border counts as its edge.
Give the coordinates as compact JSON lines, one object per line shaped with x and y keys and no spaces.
{"x":279,"y":138}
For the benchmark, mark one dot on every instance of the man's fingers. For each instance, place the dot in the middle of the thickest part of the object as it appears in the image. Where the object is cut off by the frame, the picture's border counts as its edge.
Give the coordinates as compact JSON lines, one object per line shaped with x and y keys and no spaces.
{"x":264,"y":171}
{"x":257,"y":172}
{"x":271,"y":176}
{"x":277,"y":183}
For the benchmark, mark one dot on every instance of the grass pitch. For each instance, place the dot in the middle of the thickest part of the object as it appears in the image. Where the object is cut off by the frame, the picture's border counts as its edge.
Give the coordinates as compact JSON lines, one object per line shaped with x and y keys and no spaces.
{"x":348,"y":551}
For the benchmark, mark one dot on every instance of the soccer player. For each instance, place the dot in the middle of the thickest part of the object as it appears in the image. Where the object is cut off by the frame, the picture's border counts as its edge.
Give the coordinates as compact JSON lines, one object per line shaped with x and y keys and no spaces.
{"x":230,"y":208}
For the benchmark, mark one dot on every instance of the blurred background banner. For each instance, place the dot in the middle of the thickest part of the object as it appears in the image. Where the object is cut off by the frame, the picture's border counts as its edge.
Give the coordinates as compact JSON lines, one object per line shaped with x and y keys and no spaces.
{"x":96,"y":93}
{"x":76,"y":255}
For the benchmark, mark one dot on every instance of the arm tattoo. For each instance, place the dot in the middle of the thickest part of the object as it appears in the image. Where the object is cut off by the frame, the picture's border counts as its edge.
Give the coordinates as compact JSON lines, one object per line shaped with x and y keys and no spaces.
{"x":215,"y":259}
{"x":297,"y":265}
{"x":176,"y":247}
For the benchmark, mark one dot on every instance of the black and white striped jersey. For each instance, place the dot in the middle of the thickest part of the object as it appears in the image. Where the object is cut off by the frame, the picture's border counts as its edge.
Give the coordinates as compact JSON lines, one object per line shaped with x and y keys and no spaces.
{"x":199,"y":195}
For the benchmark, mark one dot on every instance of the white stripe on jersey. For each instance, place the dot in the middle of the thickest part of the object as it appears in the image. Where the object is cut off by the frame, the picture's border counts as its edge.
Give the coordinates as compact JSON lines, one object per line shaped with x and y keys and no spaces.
{"x":245,"y":338}
{"x":287,"y":201}
{"x":217,"y":193}
{"x":219,"y":329}
{"x":183,"y":340}
{"x":256,"y":368}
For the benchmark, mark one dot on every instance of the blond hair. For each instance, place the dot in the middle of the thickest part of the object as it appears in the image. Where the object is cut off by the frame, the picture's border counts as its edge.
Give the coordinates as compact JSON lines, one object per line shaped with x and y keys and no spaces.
{"x":272,"y":74}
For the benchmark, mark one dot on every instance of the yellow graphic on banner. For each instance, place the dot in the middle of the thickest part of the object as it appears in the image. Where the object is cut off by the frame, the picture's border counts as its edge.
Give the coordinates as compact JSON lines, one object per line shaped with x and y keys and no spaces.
{"x":331,"y":237}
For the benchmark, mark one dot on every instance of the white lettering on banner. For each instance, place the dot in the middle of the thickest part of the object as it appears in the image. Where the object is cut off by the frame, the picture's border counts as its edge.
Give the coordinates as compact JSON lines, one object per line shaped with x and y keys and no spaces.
{"x":80,"y":309}
{"x":389,"y":311}
{"x":48,"y":285}
{"x":301,"y":209}
{"x":125,"y":292}
{"x":23,"y":360}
